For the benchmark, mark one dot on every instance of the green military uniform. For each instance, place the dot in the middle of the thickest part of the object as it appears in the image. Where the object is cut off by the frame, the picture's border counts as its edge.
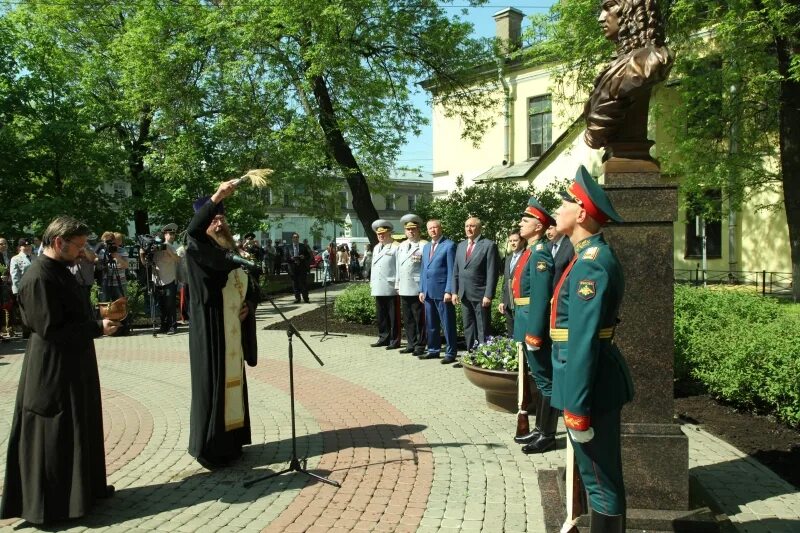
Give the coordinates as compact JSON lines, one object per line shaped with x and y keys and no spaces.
{"x":535,"y":282}
{"x":535,"y":319}
{"x":591,"y":381}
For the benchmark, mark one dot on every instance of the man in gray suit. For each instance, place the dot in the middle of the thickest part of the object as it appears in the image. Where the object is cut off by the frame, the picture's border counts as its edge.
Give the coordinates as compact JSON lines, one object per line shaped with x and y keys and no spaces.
{"x":506,"y":307}
{"x":474,"y":281}
{"x":382,"y":286}
{"x":409,"y":266}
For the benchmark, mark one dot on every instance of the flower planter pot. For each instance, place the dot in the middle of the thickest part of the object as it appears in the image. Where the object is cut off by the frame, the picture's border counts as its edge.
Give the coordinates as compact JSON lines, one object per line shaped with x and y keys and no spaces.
{"x":499,"y":387}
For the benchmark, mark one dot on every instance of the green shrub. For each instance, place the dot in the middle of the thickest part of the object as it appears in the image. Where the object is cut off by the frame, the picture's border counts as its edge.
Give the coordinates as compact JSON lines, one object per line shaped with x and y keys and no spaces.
{"x":355,"y":304}
{"x":745,"y":348}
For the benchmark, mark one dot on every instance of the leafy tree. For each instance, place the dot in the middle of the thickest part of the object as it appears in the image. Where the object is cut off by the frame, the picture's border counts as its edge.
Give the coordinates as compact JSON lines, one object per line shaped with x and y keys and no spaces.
{"x":738,"y":96}
{"x":175,"y":96}
{"x":499,"y":205}
{"x":347,"y":68}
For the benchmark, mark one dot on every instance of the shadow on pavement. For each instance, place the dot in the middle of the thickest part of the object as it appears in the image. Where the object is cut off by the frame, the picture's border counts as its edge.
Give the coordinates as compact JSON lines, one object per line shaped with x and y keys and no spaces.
{"x":743,"y":483}
{"x":227,"y":484}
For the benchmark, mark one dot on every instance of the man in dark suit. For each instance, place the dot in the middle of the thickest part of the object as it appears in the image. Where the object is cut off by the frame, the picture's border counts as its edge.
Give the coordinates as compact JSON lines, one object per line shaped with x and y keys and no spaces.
{"x":506,"y":307}
{"x":436,"y":292}
{"x":298,"y":258}
{"x":562,"y":251}
{"x":475,"y":281}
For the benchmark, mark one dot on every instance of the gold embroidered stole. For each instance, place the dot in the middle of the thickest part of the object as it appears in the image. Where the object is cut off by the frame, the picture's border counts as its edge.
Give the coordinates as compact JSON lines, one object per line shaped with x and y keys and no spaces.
{"x":232,"y":298}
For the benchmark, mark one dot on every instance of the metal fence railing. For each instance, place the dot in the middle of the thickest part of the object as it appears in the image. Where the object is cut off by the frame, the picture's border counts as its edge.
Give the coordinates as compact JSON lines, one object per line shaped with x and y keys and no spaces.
{"x":763,"y":282}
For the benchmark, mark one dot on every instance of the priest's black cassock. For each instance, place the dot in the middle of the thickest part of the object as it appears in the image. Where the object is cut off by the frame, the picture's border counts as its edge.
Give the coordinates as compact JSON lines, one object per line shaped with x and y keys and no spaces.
{"x":55,"y":467}
{"x":220,"y":419}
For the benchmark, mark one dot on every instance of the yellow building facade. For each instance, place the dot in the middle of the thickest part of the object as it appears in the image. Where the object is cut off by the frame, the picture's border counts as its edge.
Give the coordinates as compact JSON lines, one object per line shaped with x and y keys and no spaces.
{"x":537,"y":138}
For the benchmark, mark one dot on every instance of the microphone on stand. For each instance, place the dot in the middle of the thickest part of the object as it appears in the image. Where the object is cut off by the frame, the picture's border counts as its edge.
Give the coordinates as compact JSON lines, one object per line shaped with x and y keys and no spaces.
{"x":241,"y":261}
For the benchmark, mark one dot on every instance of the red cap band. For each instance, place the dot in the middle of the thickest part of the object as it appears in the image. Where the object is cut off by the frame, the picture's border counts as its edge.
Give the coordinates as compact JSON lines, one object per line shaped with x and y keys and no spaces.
{"x":541,"y":217}
{"x":577,"y":192}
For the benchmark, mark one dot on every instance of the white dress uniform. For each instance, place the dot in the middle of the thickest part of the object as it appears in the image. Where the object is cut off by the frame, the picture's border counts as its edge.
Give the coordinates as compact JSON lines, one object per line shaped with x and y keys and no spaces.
{"x":409,"y":267}
{"x":383,"y":277}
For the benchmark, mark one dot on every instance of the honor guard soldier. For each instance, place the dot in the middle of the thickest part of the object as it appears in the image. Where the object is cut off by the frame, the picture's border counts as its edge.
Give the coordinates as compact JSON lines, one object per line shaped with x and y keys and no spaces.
{"x":409,"y":266}
{"x":382,"y":286}
{"x":532,"y":289}
{"x":591,"y":381}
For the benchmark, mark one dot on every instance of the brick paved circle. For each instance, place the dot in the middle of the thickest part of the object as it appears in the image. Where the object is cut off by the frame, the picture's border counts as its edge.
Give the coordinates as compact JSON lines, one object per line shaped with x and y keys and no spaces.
{"x":370,"y":447}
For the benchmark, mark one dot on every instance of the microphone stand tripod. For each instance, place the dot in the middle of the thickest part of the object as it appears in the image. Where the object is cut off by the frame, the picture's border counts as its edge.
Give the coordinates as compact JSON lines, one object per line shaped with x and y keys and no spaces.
{"x":295,"y":464}
{"x":325,"y":314}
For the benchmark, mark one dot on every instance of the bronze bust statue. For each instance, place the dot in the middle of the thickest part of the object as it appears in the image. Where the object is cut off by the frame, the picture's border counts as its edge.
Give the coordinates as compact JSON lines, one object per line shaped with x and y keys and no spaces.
{"x":616,"y":112}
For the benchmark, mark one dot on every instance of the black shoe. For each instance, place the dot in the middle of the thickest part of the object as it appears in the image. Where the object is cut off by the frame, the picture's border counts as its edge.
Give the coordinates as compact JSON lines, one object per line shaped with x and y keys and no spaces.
{"x":447,"y":360}
{"x":419,"y":352}
{"x":172,"y":331}
{"x":407,"y":349}
{"x":307,"y":301}
{"x":393,"y":346}
{"x":107,"y":493}
{"x":429,"y":356}
{"x":540,"y":445}
{"x":530,"y":437}
{"x":297,"y":300}
{"x":379,"y":343}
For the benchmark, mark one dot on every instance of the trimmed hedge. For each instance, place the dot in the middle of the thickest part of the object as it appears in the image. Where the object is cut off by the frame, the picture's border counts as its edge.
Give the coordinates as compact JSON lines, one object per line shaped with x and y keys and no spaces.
{"x":744,"y":348}
{"x":355,"y":304}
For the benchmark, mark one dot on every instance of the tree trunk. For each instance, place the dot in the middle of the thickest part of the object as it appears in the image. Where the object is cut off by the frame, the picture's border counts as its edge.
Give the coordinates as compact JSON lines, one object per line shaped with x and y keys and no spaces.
{"x":138,"y":179}
{"x":341,"y":152}
{"x":789,"y":124}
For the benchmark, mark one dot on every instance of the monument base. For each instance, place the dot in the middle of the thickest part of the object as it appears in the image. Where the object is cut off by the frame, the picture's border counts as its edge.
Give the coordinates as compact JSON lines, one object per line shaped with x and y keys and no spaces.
{"x":699,"y":519}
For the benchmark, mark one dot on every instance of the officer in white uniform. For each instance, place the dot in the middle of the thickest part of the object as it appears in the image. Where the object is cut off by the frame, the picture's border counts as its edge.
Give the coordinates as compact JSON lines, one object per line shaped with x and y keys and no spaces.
{"x":409,"y":265}
{"x":382,"y":285}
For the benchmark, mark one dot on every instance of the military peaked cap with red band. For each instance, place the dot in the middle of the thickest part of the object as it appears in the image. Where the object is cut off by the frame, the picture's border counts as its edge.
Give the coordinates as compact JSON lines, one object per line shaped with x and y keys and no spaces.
{"x":587,"y":193}
{"x":535,"y":210}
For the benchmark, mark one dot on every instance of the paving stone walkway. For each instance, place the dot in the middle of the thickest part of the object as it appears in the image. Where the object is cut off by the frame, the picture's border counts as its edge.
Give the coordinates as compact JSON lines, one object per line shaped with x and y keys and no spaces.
{"x":411,"y":442}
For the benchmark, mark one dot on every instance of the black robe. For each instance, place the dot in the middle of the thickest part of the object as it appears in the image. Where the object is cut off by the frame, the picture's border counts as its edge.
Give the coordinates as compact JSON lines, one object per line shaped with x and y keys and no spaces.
{"x":207,"y":271}
{"x":55,"y":468}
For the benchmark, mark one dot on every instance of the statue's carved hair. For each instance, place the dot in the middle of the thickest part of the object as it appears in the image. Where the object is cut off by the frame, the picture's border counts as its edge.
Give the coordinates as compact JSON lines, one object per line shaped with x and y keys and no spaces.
{"x":640,"y":25}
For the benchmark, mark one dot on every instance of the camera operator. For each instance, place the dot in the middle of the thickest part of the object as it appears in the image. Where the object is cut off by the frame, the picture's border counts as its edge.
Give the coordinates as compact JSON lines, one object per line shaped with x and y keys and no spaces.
{"x":165,"y":261}
{"x":112,"y":260}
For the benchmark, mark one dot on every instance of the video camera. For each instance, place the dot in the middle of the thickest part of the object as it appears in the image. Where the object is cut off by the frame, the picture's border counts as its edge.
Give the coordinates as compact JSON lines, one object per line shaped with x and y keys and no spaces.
{"x":149,"y":245}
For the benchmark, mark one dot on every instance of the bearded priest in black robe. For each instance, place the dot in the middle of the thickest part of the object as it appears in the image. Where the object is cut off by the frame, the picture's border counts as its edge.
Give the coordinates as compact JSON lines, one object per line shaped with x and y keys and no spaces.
{"x":55,"y":466}
{"x":222,"y":335}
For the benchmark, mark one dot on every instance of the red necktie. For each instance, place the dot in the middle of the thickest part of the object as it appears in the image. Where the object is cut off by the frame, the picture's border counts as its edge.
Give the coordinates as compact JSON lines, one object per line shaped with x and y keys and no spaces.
{"x":469,"y":249}
{"x":433,"y":247}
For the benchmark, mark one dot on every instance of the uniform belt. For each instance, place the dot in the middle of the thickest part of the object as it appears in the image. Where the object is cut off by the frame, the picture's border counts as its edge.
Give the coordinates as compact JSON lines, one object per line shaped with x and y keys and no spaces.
{"x":562,"y":334}
{"x":522,"y":301}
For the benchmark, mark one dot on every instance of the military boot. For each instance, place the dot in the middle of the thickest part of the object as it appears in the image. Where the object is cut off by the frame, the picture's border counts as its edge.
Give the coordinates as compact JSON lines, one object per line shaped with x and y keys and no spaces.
{"x":603,"y":523}
{"x":548,"y":422}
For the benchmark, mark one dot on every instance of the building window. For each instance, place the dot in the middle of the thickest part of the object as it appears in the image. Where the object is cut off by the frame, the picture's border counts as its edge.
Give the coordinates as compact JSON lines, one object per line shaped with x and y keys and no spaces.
{"x":390,"y":202}
{"x":412,"y":202}
{"x":342,"y":200}
{"x":540,"y":125}
{"x":120,"y":189}
{"x":287,"y":199}
{"x":710,"y":204}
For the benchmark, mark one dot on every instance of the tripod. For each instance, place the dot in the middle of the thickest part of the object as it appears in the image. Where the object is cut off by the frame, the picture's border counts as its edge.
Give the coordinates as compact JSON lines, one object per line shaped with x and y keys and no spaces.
{"x":151,"y":286}
{"x":295,"y":464}
{"x":325,"y":314}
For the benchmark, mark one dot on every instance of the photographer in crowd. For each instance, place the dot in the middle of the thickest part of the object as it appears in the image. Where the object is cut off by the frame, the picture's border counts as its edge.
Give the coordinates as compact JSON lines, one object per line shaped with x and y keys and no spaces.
{"x":253,"y":251}
{"x":112,"y":260}
{"x":164,"y":261}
